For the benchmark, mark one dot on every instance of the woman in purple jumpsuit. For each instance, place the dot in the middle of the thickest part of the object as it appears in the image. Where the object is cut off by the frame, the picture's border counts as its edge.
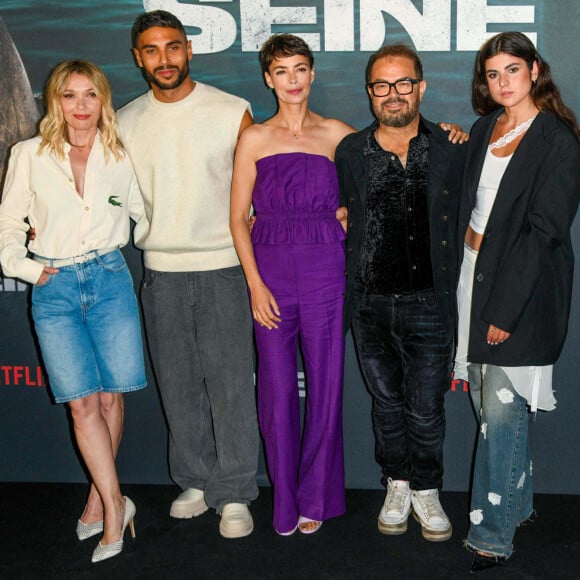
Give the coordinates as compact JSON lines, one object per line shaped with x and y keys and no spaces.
{"x":294,"y":265}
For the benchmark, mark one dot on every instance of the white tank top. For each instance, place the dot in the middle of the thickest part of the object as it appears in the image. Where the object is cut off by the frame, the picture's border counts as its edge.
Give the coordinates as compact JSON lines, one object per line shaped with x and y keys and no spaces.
{"x":491,"y":175}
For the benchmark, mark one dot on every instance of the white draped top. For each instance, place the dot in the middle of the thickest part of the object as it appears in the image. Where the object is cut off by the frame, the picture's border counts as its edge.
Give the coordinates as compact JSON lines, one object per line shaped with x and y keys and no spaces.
{"x":534,"y":383}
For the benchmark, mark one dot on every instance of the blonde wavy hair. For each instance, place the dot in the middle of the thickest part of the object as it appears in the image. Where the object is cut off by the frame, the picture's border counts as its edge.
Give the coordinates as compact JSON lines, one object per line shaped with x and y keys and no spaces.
{"x":53,"y":128}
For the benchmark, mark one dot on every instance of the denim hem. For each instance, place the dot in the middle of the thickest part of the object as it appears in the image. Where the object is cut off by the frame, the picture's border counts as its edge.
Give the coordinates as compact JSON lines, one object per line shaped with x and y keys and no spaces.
{"x":124,"y":389}
{"x":77,"y":396}
{"x":491,"y":550}
{"x":530,"y":519}
{"x":112,"y":390}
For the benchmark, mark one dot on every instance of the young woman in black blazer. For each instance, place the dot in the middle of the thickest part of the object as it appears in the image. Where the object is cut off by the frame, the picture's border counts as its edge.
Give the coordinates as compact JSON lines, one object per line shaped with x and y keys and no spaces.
{"x":520,"y":195}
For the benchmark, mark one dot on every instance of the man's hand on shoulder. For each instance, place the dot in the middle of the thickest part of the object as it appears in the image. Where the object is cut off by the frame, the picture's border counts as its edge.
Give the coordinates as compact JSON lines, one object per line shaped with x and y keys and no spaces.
{"x":456,"y":133}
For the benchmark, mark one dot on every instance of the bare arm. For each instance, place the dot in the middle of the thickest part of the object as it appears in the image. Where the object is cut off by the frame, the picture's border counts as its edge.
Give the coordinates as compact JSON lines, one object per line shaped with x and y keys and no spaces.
{"x":264,"y":307}
{"x":245,"y":122}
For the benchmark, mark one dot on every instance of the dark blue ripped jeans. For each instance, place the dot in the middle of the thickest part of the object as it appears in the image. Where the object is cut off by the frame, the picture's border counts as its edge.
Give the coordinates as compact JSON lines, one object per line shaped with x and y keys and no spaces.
{"x":405,"y":355}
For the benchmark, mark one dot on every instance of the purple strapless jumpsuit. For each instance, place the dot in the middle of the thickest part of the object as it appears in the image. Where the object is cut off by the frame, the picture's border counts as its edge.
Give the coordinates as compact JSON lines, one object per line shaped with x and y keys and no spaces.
{"x":299,"y":249}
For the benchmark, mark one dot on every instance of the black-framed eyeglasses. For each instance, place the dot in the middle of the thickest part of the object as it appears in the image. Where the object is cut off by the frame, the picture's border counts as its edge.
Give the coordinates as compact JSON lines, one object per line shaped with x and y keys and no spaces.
{"x":383,"y":88}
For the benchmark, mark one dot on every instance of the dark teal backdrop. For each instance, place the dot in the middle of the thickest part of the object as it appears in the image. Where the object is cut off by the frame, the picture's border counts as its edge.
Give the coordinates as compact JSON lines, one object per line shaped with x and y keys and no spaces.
{"x":35,"y":442}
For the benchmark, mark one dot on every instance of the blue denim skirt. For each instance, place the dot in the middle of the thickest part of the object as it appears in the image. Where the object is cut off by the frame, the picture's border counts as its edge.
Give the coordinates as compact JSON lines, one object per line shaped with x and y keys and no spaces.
{"x":87,"y":322}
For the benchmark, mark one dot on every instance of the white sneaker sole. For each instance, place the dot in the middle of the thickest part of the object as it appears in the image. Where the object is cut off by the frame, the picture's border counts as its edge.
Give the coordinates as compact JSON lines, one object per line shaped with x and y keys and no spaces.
{"x":392,"y":529}
{"x":233,"y":531}
{"x":433,"y":535}
{"x":187,"y":511}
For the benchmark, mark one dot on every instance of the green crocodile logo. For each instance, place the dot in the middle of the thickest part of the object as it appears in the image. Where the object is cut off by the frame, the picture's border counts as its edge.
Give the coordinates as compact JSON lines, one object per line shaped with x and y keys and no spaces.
{"x":113,"y":200}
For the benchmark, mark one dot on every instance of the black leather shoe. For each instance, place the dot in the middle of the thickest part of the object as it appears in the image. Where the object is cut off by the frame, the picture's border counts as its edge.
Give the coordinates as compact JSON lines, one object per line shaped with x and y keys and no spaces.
{"x":481,"y":562}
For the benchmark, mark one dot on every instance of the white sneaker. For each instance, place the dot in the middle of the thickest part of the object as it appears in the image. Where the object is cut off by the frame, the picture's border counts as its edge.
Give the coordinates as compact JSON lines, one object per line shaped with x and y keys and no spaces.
{"x":236,"y":521}
{"x":188,"y":504}
{"x":427,"y":510}
{"x":395,"y":511}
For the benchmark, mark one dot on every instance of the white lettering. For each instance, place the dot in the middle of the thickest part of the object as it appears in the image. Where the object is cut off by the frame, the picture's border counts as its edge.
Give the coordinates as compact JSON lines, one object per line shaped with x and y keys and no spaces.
{"x":473,"y":16}
{"x":429,"y":30}
{"x":339,"y":25}
{"x":257,"y":17}
{"x":218,"y":27}
{"x":429,"y":27}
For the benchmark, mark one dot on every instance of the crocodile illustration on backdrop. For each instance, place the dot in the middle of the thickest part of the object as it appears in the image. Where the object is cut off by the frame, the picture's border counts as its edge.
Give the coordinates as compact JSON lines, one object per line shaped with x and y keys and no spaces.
{"x":18,"y":111}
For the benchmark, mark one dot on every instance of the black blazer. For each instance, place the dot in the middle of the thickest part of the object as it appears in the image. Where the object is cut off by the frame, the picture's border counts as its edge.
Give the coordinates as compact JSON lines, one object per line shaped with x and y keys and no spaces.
{"x":443,"y":190}
{"x":523,"y":275}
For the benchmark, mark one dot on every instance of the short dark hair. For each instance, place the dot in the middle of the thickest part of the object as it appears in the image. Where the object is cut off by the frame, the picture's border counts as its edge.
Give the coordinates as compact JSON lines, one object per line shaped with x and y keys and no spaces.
{"x":282,"y":46}
{"x":149,"y":20}
{"x":393,"y":51}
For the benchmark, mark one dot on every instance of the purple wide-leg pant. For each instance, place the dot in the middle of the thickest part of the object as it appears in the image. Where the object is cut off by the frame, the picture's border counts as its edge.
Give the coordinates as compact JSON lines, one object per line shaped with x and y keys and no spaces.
{"x":307,"y":472}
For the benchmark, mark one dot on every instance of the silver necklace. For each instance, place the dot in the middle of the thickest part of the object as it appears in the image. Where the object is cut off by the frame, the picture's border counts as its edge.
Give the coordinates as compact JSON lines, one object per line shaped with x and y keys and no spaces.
{"x":512,"y":135}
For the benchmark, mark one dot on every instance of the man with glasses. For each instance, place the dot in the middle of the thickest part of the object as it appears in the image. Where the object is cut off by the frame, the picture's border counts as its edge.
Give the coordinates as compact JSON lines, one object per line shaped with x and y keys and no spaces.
{"x":400,"y":179}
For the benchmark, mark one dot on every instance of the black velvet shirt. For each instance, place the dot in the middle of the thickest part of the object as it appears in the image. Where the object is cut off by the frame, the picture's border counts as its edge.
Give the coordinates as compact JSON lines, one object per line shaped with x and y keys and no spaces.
{"x":395,"y":256}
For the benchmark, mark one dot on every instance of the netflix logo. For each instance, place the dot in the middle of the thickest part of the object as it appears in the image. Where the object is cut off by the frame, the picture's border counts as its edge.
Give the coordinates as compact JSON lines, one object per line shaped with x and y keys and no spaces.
{"x":21,"y":376}
{"x":459,"y":385}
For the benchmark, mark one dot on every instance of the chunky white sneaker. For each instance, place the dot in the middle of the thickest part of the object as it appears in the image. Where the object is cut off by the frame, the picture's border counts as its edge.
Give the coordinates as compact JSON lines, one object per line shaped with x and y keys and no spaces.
{"x":427,"y":510}
{"x":188,"y":504}
{"x":236,"y":521}
{"x":395,"y":511}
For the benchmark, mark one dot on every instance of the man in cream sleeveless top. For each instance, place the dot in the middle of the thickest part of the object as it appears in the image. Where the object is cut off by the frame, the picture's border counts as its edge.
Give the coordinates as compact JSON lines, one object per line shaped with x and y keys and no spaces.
{"x":181,"y":136}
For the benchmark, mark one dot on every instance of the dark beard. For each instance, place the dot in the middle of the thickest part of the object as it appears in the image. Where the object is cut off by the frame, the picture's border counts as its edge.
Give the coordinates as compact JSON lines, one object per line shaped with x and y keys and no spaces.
{"x":167,"y":86}
{"x":399,"y":120}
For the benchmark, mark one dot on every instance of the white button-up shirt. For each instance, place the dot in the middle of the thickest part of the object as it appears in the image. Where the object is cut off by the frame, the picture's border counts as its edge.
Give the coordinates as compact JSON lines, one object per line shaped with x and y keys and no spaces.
{"x":42,"y":189}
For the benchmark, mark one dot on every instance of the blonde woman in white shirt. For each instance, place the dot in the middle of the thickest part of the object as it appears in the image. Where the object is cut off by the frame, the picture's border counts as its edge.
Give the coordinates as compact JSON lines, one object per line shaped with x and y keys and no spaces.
{"x":75,"y":185}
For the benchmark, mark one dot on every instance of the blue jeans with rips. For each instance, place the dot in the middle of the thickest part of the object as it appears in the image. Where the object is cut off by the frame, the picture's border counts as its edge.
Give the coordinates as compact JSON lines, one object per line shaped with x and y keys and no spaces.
{"x":502,"y":493}
{"x":199,"y":332}
{"x":405,"y":355}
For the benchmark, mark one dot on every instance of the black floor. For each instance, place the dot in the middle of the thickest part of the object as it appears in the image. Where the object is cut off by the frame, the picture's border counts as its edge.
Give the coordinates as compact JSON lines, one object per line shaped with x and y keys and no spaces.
{"x":37,"y":540}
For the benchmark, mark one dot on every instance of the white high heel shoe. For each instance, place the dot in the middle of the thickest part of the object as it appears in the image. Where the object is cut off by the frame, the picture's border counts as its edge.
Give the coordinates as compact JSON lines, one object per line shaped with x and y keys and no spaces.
{"x":105,"y":551}
{"x":85,"y":531}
